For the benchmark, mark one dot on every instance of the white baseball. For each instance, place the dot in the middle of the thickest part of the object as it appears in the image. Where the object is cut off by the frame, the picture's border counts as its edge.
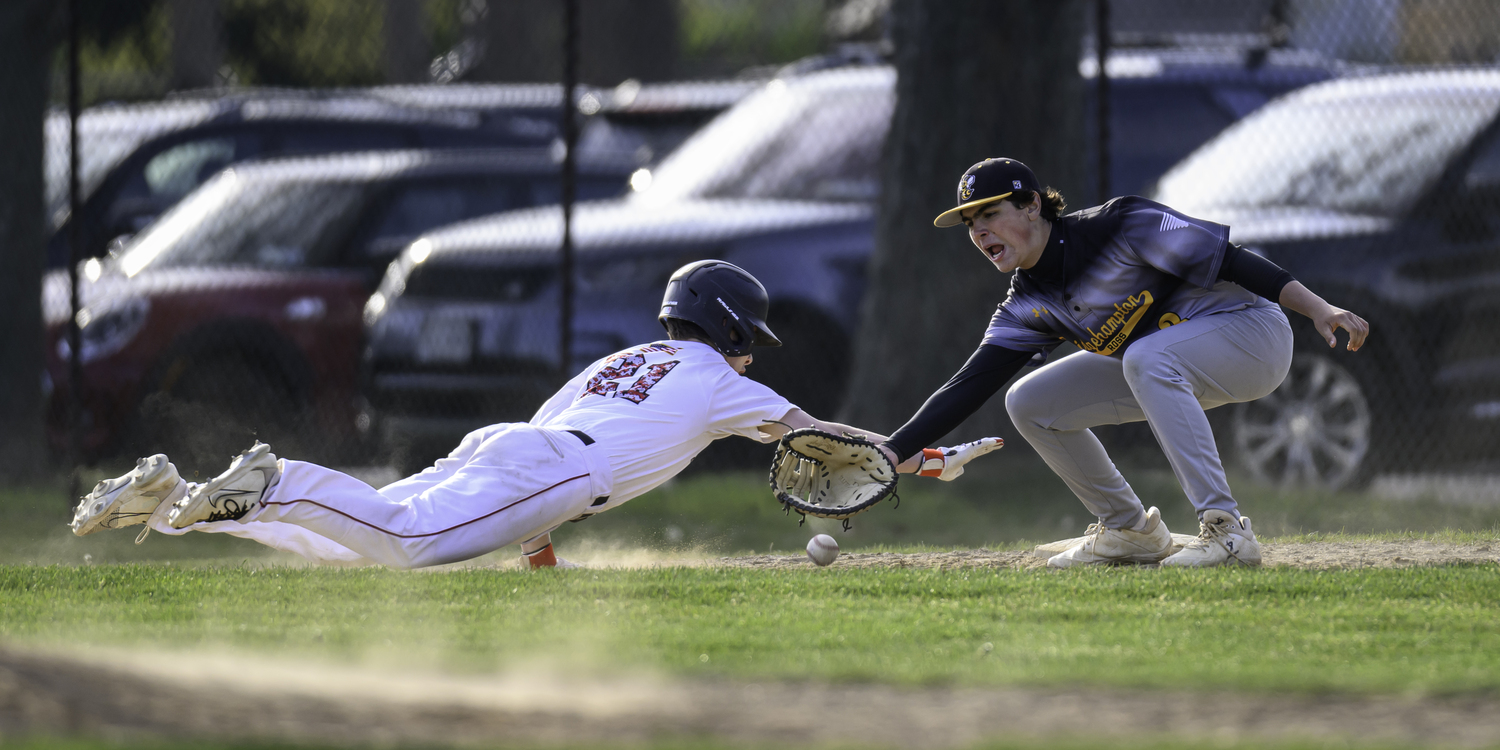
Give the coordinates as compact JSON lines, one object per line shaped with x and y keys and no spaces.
{"x":822,"y":549}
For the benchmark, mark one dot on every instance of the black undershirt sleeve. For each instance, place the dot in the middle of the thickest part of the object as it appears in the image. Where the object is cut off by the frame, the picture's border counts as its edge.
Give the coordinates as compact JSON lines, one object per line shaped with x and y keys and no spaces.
{"x":1254,"y":273}
{"x":987,"y":369}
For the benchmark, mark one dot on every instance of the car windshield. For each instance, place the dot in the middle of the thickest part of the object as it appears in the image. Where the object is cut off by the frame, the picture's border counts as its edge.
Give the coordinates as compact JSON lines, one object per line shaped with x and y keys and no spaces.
{"x":232,"y":220}
{"x":811,"y":138}
{"x":1364,"y":155}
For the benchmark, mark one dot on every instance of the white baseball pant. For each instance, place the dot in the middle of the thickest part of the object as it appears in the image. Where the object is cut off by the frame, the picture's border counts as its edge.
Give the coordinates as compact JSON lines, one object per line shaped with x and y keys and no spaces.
{"x":503,"y":484}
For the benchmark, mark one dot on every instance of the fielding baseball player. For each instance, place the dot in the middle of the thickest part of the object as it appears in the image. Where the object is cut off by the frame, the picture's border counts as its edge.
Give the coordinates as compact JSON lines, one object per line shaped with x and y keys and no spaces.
{"x":1171,"y":318}
{"x":628,"y":423}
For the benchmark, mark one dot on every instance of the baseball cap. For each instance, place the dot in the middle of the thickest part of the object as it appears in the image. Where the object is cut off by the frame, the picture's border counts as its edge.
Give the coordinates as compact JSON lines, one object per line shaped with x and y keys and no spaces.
{"x":986,"y":182}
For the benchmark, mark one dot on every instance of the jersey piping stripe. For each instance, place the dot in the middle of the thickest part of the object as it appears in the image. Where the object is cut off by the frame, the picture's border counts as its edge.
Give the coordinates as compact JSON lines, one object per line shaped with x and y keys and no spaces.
{"x":430,"y":533}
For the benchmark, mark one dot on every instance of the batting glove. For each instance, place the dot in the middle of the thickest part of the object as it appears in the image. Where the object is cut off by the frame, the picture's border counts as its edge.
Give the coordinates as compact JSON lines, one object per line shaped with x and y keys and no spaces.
{"x":947,"y":464}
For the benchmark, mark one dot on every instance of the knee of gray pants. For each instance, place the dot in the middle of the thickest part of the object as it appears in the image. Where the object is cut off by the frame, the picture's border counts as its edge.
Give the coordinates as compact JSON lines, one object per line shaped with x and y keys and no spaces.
{"x":1020,"y":405}
{"x":1142,"y":362}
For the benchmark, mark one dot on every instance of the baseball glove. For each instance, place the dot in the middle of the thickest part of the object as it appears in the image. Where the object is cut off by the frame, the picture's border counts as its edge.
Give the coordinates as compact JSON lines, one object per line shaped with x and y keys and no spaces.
{"x":817,"y":473}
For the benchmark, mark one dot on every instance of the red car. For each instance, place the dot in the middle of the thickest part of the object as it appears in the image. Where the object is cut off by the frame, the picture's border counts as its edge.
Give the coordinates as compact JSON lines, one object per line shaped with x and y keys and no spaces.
{"x":238,"y":314}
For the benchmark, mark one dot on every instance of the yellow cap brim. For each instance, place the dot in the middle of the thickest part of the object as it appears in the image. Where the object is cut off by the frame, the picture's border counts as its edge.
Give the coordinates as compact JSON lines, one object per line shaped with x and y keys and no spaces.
{"x":951,"y":217}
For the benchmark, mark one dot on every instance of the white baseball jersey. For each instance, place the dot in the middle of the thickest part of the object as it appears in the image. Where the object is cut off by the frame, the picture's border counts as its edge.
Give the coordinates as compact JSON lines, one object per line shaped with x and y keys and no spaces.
{"x":623,"y":426}
{"x":656,"y":406}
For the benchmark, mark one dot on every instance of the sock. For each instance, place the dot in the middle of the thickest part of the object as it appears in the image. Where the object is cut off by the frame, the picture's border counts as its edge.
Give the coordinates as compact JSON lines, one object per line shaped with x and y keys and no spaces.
{"x":542,"y":558}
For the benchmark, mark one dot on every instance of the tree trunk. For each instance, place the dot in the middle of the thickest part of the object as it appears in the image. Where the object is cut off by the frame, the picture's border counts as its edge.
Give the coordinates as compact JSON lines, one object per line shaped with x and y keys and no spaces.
{"x":522,"y":43}
{"x":28,"y":29}
{"x":975,"y":79}
{"x":618,"y":39}
{"x":407,"y":44}
{"x":635,"y":39}
{"x":197,"y":44}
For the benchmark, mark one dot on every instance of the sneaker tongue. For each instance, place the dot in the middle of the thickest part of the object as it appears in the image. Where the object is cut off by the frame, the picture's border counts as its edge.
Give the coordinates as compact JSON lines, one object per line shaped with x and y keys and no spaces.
{"x":1221,"y":519}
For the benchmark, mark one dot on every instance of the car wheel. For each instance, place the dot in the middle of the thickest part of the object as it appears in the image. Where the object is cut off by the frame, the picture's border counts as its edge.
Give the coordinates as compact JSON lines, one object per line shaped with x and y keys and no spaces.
{"x":1314,"y":430}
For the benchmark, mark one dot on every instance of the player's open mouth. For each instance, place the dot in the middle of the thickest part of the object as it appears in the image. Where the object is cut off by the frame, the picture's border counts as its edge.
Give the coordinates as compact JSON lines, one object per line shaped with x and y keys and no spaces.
{"x":994,"y":251}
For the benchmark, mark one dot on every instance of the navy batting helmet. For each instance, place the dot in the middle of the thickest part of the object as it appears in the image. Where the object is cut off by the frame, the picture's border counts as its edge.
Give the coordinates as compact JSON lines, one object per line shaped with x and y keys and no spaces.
{"x":725,"y":301}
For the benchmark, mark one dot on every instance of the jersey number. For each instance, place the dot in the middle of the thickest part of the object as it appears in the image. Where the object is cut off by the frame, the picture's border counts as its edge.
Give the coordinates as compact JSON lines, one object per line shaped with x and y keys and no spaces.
{"x":602,"y":383}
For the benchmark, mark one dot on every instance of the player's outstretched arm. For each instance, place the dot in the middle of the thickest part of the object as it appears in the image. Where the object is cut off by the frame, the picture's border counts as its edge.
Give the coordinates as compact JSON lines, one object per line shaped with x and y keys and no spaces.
{"x":797,"y":419}
{"x":1325,"y":317}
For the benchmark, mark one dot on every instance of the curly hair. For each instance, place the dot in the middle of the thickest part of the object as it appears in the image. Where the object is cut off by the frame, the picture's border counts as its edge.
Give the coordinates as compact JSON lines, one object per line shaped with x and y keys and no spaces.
{"x":1053,"y":202}
{"x":685,"y":330}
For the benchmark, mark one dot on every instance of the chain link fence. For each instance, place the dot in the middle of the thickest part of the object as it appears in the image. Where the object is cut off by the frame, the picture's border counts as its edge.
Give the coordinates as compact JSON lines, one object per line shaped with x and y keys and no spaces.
{"x":1372,"y":179}
{"x":340,"y":227}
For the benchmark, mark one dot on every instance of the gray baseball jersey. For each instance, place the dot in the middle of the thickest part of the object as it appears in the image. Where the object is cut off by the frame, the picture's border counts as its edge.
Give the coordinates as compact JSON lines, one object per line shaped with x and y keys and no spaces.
{"x":1114,"y":274}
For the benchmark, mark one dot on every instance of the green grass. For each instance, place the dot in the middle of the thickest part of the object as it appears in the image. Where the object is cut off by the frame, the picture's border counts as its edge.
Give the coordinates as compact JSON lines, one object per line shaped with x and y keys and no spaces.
{"x":1428,"y":631}
{"x":1423,"y":631}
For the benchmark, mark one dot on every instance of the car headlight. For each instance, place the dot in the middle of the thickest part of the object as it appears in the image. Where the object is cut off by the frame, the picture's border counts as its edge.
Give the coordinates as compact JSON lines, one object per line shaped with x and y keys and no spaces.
{"x":106,"y":328}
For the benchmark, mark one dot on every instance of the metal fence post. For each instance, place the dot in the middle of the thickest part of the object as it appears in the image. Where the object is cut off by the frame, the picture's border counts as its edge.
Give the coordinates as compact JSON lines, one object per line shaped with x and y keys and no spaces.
{"x":1101,"y":94}
{"x":75,"y":255}
{"x":569,"y":179}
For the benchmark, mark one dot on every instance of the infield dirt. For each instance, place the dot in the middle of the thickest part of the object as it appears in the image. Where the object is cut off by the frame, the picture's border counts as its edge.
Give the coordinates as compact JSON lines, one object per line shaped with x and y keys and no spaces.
{"x":1309,"y":555}
{"x":136,"y":697}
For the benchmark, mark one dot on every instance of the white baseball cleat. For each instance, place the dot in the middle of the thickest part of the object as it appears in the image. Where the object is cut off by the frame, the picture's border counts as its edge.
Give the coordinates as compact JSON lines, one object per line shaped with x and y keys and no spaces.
{"x":1049,"y":549}
{"x":1104,"y":546}
{"x":1222,"y":540}
{"x":229,"y":496}
{"x":129,"y":499}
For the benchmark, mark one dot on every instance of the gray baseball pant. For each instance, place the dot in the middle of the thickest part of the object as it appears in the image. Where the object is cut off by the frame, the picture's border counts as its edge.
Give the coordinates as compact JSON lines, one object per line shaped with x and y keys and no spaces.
{"x":1167,"y":379}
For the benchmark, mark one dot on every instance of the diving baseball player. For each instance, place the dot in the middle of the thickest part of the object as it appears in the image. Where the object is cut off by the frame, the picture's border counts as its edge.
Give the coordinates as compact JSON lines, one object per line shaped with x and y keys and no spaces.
{"x":623,"y":426}
{"x":1171,"y":318}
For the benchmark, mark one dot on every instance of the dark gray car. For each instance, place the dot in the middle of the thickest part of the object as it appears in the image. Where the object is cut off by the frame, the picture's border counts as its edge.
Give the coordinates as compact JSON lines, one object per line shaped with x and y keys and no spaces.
{"x":241,"y":306}
{"x":1382,"y":193}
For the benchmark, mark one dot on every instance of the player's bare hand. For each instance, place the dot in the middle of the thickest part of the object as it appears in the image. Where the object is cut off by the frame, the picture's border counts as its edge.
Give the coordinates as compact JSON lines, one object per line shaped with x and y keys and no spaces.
{"x":1335,"y":318}
{"x":948,"y":463}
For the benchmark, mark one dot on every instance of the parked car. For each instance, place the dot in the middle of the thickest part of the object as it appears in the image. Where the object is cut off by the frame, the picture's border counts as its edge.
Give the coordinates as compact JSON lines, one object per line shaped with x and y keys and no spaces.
{"x":642,"y":120}
{"x":650,"y":120}
{"x":139,"y":160}
{"x":464,"y":329}
{"x":241,"y":306}
{"x":1381,"y":193}
{"x":1166,"y":102}
{"x":782,"y":184}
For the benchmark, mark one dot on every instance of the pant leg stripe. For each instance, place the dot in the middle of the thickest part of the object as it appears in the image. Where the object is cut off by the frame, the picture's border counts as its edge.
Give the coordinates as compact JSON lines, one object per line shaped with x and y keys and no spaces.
{"x":432,"y":533}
